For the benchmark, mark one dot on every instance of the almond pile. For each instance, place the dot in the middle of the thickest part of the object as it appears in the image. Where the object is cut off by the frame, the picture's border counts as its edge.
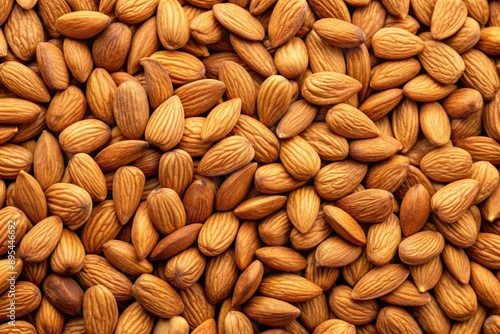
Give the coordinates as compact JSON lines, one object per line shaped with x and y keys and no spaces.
{"x":249,"y":166}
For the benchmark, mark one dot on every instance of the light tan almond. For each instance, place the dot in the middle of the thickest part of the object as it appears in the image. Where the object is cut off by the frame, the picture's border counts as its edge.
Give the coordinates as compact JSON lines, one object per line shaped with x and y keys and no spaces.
{"x":286,"y":19}
{"x":85,"y":136}
{"x":82,"y":24}
{"x":270,"y":108}
{"x":52,"y":66}
{"x":23,"y":82}
{"x":458,"y":301}
{"x":100,"y":310}
{"x":383,"y":240}
{"x":218,"y":233}
{"x":392,"y":74}
{"x":344,"y":225}
{"x":270,"y":311}
{"x":447,"y":18}
{"x":380,"y":281}
{"x":172,"y":25}
{"x":67,"y":107}
{"x":289,"y":287}
{"x":324,"y":57}
{"x":199,"y":96}
{"x":480,"y":74}
{"x":181,"y":66}
{"x":345,"y":35}
{"x":70,"y":202}
{"x":434,"y":123}
{"x":128,"y":184}
{"x":85,"y":173}
{"x":324,"y":88}
{"x":78,"y":58}
{"x":23,"y":30}
{"x":394,"y":320}
{"x":451,"y":201}
{"x":266,"y":151}
{"x":328,"y":253}
{"x":239,"y":21}
{"x":421,"y":247}
{"x":449,"y":69}
{"x":396,"y":43}
{"x":237,"y":150}
{"x":133,"y":12}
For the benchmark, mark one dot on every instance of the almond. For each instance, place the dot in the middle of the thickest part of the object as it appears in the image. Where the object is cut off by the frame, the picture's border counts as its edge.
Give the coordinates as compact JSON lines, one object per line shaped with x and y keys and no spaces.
{"x":289,"y":287}
{"x":270,"y":311}
{"x":281,"y":258}
{"x":84,"y":136}
{"x":238,"y":85}
{"x":199,"y":96}
{"x":27,"y":299}
{"x":67,"y":107}
{"x":85,"y":173}
{"x":239,"y":21}
{"x":347,"y":309}
{"x":42,"y":240}
{"x":446,"y":164}
{"x":69,"y":254}
{"x":407,"y":294}
{"x":457,"y":300}
{"x":218,"y":233}
{"x":98,"y":271}
{"x":299,"y":158}
{"x":133,"y":12}
{"x":342,"y":118}
{"x":383,"y":240}
{"x":235,"y":148}
{"x":96,"y":299}
{"x":421,"y":247}
{"x":266,"y":151}
{"x":319,"y":86}
{"x":447,"y":18}
{"x":338,"y":179}
{"x":23,"y":31}
{"x":303,"y":207}
{"x":380,"y":281}
{"x":451,"y":201}
{"x":396,"y":43}
{"x":328,"y":253}
{"x":128,"y":184}
{"x":393,"y":319}
{"x":344,"y":225}
{"x":246,"y":243}
{"x":70,"y":202}
{"x":372,"y":205}
{"x":134,"y":318}
{"x":78,"y":58}
{"x":271,"y":108}
{"x":286,"y":19}
{"x":480,"y":74}
{"x":450,"y":67}
{"x":23,"y":82}
{"x":82,"y":24}
{"x":56,"y":74}
{"x":172,"y":25}
{"x":483,"y":251}
{"x":346,"y":35}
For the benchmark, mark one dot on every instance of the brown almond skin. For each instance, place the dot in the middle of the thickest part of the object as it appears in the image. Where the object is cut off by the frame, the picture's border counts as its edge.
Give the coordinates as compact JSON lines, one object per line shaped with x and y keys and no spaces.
{"x":380,"y":281}
{"x":281,"y":258}
{"x":64,"y":293}
{"x":421,"y":247}
{"x":175,"y":242}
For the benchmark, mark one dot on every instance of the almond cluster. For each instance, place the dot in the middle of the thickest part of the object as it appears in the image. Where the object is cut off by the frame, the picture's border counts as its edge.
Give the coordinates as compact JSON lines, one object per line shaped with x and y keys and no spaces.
{"x":249,"y":166}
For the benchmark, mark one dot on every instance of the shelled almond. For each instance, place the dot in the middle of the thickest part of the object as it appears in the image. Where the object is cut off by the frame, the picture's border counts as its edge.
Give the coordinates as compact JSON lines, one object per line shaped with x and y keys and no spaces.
{"x":250,"y":166}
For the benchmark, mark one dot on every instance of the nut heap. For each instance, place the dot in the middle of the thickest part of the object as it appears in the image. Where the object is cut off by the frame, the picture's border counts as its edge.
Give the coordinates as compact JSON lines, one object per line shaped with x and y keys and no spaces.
{"x":272,"y":166}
